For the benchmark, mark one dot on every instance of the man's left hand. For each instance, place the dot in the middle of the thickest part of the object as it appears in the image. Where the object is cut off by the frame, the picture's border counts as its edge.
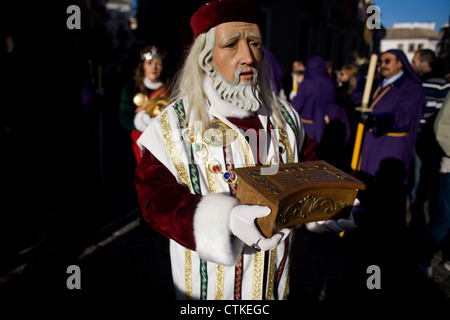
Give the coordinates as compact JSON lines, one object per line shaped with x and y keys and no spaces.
{"x":337,"y":226}
{"x":340,"y":225}
{"x":333,"y":225}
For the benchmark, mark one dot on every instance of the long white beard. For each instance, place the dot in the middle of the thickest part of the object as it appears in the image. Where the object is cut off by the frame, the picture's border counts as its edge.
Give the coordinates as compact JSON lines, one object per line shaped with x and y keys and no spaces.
{"x":245,"y":96}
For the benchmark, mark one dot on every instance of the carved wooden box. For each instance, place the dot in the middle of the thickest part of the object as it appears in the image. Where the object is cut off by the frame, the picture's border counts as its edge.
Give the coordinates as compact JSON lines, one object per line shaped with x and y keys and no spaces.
{"x":298,"y":193}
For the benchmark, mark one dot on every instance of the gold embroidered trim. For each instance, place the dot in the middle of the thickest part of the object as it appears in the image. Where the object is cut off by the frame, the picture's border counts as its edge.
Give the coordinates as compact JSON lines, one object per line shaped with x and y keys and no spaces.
{"x":181,"y":169}
{"x":188,"y":274}
{"x":220,"y":280}
{"x":248,"y":156}
{"x":288,"y":276}
{"x":171,"y":149}
{"x":284,"y":139}
{"x":258,"y":261}
{"x":272,"y":262}
{"x":220,"y":272}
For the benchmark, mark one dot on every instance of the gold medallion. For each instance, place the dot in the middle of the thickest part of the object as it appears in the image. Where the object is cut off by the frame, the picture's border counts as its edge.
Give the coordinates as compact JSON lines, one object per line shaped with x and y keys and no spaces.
{"x":218,"y":134}
{"x":187,"y":135}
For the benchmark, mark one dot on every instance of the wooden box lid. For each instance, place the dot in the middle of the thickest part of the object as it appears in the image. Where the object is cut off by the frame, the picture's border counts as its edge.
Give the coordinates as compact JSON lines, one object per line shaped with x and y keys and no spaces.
{"x":298,"y":193}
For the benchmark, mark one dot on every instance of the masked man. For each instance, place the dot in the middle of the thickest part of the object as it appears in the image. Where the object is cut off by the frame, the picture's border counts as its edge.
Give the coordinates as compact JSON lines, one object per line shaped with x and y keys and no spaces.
{"x":186,"y":178}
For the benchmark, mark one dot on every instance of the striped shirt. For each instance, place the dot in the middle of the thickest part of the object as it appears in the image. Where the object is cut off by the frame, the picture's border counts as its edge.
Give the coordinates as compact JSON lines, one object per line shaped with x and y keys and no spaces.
{"x":435,"y":91}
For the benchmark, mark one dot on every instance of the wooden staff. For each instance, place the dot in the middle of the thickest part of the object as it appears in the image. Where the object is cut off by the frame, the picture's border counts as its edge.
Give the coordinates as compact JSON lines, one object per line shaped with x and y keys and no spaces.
{"x":355,"y":165}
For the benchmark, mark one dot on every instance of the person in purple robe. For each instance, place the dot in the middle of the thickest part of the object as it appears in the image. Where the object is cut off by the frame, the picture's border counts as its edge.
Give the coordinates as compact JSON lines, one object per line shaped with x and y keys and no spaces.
{"x":387,"y":149}
{"x":334,"y":146}
{"x":382,"y":235}
{"x":316,"y":92}
{"x":391,"y":128}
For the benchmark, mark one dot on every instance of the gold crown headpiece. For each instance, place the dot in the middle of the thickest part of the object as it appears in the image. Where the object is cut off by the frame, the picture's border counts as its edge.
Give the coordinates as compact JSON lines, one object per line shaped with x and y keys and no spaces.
{"x":152,"y":52}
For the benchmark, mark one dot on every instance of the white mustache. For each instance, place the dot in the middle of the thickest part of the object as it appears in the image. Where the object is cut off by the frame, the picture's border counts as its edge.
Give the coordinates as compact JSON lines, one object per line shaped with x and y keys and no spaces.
{"x":239,"y":70}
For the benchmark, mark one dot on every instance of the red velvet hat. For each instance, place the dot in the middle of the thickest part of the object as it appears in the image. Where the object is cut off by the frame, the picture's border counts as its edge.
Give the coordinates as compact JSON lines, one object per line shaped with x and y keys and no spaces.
{"x":216,"y":12}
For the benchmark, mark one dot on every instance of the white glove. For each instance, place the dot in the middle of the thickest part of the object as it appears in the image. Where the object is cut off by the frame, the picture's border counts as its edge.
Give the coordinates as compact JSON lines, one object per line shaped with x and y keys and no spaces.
{"x":242,"y":225}
{"x":141,"y":120}
{"x":317,"y":226}
{"x":341,"y":224}
{"x":336,"y":226}
{"x":292,"y":95}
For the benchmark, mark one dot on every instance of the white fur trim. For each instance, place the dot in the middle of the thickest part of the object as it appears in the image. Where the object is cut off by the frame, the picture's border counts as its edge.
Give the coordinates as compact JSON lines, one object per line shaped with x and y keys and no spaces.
{"x":213,"y":238}
{"x":141,"y":120}
{"x":220,"y":106}
{"x":152,"y":85}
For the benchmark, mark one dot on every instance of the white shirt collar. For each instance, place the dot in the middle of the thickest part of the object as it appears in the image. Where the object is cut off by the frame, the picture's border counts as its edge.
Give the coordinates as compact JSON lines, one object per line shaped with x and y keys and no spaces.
{"x":392,"y":79}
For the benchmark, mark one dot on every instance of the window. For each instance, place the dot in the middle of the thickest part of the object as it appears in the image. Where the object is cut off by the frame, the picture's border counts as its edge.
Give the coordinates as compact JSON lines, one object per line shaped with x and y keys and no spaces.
{"x":411,"y":47}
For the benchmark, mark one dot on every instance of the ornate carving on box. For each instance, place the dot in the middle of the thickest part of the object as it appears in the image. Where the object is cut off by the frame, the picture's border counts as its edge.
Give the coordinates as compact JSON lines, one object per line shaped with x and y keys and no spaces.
{"x":298,"y":193}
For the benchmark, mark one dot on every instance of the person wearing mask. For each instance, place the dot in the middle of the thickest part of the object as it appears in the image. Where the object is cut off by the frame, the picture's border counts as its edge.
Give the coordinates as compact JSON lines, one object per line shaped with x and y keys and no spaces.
{"x":186,"y":186}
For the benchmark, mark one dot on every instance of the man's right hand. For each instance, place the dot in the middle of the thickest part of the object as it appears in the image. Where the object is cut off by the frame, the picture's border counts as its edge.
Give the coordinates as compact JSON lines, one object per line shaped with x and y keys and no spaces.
{"x":242,"y":225}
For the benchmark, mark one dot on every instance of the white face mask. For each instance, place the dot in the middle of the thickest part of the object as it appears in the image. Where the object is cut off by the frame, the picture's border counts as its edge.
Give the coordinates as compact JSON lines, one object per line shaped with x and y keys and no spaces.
{"x":246,"y":97}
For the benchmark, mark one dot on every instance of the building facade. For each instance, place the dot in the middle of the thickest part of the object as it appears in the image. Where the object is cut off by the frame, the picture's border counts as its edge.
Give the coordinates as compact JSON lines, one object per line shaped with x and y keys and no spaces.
{"x":411,"y":37}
